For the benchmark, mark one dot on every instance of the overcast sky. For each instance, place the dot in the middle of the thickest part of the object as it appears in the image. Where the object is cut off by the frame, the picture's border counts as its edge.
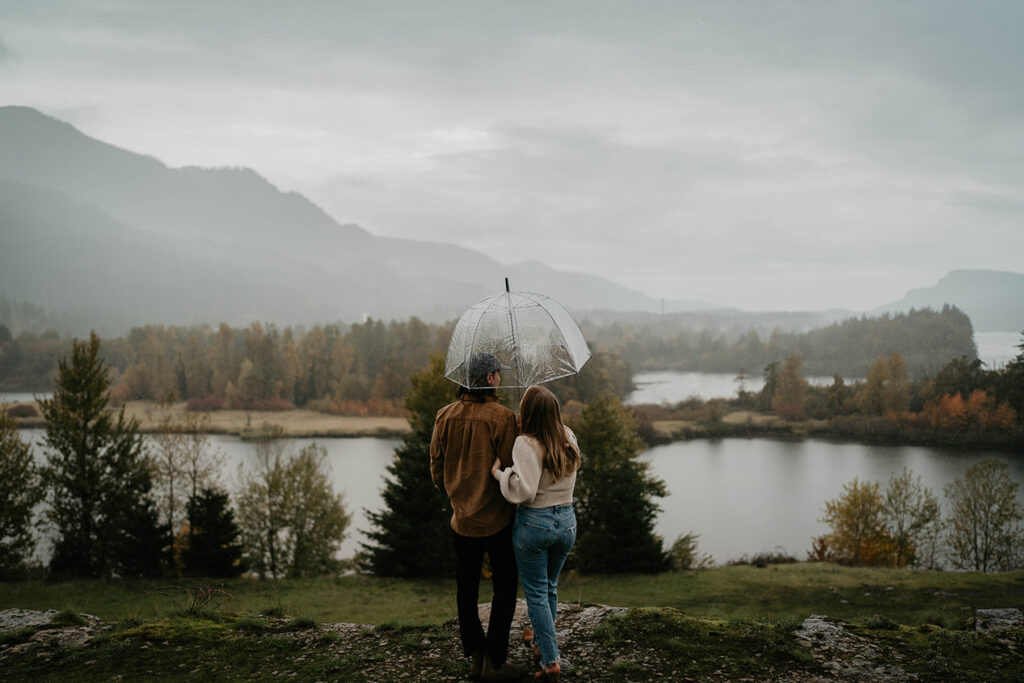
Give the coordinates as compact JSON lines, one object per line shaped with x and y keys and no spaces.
{"x":765,"y":155}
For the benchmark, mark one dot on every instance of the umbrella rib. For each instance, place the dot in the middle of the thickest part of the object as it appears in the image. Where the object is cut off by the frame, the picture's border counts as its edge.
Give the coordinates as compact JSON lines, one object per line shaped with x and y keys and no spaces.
{"x":514,"y":331}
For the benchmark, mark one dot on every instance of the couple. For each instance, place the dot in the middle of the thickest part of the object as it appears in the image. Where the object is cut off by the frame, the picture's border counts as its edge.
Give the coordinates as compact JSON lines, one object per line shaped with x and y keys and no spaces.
{"x":487,"y":466}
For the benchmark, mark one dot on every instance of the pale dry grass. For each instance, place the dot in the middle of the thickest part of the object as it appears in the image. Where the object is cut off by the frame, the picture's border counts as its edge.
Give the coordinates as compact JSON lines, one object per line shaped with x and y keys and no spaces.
{"x":297,"y":422}
{"x":669,"y":427}
{"x":749,"y":416}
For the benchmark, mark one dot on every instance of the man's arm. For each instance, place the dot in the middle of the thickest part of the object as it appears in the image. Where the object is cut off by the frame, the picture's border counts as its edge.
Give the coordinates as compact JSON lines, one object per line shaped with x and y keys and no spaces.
{"x":506,"y":439}
{"x":437,"y":458}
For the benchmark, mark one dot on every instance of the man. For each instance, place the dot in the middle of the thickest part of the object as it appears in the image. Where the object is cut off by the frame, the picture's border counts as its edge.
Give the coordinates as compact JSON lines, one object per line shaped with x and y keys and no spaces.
{"x":468,"y":435}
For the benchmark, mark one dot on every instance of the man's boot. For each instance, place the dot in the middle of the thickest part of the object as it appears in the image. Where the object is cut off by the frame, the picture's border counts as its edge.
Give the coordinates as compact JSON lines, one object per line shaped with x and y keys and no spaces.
{"x":476,"y":664}
{"x":505,"y":672}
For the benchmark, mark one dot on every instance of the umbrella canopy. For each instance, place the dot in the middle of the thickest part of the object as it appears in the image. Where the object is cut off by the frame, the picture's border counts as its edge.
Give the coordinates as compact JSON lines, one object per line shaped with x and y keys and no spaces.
{"x":533,"y":337}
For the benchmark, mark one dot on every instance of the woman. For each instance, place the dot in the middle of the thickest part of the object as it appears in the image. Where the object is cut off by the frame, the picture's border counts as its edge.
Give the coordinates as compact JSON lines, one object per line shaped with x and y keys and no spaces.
{"x":545,"y":458}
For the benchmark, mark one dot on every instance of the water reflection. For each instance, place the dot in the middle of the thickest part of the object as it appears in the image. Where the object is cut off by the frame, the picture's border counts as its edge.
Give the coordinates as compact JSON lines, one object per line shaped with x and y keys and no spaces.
{"x":743,"y":496}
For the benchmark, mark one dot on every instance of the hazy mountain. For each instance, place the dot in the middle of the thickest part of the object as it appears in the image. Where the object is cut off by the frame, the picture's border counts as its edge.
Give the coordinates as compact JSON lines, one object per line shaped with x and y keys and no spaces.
{"x":992,"y":299}
{"x":65,"y":254}
{"x":186,"y":245}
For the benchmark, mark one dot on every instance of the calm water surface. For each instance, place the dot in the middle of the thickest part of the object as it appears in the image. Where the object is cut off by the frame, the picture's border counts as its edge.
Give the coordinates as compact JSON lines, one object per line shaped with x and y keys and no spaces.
{"x":670,"y":386}
{"x":995,"y":349}
{"x":743,"y":496}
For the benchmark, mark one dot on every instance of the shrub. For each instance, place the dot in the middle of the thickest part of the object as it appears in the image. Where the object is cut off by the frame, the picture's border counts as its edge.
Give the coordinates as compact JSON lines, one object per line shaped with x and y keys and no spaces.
{"x":22,"y":410}
{"x":375,"y":407}
{"x":684,"y":554}
{"x":68,"y":617}
{"x":264,"y":404}
{"x":880,"y":622}
{"x":764,"y":559}
{"x":207,"y":404}
{"x":252,"y":625}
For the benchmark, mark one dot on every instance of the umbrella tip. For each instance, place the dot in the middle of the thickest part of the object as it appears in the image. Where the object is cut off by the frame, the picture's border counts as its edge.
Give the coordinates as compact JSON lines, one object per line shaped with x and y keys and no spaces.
{"x":506,"y":285}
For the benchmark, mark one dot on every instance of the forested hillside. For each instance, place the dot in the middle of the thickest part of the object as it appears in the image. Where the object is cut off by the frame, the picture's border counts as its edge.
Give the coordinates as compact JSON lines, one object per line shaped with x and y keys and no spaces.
{"x":371,"y":361}
{"x":927,"y":340}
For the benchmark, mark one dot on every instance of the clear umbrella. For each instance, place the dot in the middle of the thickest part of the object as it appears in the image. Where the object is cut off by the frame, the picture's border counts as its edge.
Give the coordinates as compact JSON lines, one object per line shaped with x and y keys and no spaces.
{"x":533,"y":337}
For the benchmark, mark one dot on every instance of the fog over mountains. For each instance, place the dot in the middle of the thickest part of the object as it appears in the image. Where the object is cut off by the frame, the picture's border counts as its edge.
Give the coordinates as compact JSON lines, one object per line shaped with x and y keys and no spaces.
{"x":125,"y":240}
{"x":87,"y":225}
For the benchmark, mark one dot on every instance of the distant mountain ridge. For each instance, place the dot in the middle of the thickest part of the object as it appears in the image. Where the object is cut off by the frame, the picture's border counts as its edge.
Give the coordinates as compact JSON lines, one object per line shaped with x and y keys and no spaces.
{"x":992,"y":299}
{"x":232,"y":246}
{"x":87,"y":226}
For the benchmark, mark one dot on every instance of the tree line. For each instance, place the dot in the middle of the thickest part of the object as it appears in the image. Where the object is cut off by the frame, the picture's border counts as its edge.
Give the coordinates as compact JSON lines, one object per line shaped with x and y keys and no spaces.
{"x":119,"y":508}
{"x":903,"y":526}
{"x":362,"y":368}
{"x":962,"y":404}
{"x":926,"y":339}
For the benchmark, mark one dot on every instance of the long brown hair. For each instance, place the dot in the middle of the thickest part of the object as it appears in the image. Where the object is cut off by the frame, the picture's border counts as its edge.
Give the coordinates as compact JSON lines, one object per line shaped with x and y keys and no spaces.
{"x":540,"y":418}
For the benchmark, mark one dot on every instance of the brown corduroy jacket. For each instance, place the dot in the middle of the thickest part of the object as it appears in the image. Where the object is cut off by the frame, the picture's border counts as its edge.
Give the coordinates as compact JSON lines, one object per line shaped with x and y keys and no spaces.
{"x":468,"y":435}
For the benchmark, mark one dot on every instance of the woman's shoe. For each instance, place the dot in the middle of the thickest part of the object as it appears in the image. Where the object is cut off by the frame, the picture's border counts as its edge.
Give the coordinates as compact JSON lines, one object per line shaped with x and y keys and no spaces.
{"x":527,"y":636}
{"x":551,"y":673}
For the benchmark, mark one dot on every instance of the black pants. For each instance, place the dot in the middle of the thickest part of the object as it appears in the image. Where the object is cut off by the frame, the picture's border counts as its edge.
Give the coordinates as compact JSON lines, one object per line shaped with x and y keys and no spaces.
{"x":469,"y":558}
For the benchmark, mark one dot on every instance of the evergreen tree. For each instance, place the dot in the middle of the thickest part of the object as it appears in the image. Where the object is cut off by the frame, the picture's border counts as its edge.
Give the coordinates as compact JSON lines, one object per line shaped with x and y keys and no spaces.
{"x":97,"y":477}
{"x":615,"y":495}
{"x":212,"y":547}
{"x":771,"y":385}
{"x":19,"y":492}
{"x":411,"y":535}
{"x":1011,"y":381}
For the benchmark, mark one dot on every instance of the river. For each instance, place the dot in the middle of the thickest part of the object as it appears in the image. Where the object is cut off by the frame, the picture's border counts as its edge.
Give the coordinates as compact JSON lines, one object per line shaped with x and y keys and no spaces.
{"x":743,"y":496}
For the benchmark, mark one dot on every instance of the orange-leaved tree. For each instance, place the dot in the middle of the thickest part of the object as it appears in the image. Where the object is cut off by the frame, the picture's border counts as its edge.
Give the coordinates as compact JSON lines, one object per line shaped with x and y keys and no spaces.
{"x":858,"y":533}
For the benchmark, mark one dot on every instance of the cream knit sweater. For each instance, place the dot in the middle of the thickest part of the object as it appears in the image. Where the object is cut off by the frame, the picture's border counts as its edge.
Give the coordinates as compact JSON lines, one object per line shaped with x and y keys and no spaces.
{"x":528,"y":483}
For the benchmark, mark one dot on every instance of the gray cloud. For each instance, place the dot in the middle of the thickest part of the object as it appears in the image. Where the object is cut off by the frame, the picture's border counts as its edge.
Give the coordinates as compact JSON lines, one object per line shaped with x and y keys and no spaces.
{"x":774,"y":154}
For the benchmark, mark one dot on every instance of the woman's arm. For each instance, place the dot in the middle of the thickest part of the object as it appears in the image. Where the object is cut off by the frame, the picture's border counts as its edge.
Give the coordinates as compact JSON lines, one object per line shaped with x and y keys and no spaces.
{"x":520,"y":481}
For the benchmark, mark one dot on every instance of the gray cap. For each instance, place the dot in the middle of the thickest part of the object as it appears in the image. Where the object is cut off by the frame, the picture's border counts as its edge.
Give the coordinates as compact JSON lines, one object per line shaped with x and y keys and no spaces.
{"x":483,"y":363}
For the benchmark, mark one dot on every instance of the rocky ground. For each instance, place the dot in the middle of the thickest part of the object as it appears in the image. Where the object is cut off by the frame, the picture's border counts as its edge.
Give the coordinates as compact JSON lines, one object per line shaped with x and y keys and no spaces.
{"x":597,"y":643}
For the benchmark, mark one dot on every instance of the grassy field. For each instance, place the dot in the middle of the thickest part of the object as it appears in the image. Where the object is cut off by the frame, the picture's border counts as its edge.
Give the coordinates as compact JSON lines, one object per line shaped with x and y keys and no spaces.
{"x":772,"y":594}
{"x":722,"y":624}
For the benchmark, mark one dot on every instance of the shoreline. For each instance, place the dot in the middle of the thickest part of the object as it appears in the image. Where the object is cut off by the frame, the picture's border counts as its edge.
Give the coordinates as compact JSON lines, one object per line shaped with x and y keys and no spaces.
{"x":294,"y":423}
{"x":302,"y":423}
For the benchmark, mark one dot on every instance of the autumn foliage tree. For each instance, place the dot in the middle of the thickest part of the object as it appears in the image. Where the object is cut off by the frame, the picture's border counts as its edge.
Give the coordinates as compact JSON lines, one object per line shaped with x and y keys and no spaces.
{"x":790,"y":397}
{"x":887,"y":390}
{"x":858,"y":533}
{"x":978,"y":411}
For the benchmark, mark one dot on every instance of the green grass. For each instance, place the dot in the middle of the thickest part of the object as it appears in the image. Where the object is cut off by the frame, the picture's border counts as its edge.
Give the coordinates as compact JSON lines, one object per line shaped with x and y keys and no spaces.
{"x":668,"y":641}
{"x":356,"y":599}
{"x":776,"y":593}
{"x":663,"y":643}
{"x":795,"y":591}
{"x":722,"y":624}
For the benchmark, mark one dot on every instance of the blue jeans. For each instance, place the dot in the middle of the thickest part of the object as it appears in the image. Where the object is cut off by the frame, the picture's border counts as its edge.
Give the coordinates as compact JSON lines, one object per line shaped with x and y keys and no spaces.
{"x":542,"y":538}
